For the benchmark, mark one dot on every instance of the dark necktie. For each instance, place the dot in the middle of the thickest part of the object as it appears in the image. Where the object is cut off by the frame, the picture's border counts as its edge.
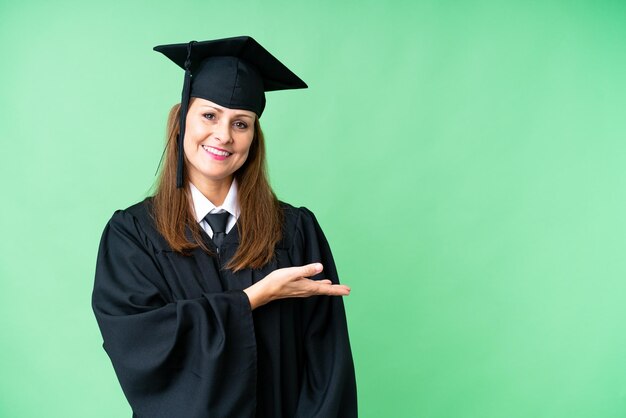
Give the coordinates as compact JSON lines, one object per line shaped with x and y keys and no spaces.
{"x":218,"y":221}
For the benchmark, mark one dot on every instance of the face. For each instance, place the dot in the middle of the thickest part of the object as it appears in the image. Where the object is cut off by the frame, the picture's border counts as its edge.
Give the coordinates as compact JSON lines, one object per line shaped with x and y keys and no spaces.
{"x":217,"y":141}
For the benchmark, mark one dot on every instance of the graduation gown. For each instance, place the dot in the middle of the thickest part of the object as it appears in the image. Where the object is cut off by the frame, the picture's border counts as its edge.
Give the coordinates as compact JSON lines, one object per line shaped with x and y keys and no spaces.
{"x":184,"y":341}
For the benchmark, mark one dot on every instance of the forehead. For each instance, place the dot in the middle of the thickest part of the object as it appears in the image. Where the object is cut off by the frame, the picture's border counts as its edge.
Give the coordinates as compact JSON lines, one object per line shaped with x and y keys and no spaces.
{"x":200,"y":102}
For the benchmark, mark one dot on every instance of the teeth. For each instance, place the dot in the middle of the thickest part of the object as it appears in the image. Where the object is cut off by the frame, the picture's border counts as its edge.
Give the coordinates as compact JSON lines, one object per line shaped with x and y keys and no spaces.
{"x":216,"y":152}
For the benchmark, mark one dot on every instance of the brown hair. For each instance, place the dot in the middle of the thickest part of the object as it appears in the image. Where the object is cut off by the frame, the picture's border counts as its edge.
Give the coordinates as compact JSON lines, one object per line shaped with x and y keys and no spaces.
{"x":259,"y":222}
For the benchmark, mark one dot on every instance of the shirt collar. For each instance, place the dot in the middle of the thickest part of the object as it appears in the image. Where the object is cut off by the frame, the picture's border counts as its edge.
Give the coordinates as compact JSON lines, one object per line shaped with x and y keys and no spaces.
{"x":203,"y":206}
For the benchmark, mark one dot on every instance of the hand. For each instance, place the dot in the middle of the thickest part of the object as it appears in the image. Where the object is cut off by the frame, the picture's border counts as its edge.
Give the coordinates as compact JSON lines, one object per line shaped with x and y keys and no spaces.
{"x":292,"y":282}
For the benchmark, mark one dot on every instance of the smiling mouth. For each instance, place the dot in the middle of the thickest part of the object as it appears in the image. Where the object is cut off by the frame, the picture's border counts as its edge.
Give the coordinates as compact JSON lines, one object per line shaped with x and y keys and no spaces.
{"x":216,"y":151}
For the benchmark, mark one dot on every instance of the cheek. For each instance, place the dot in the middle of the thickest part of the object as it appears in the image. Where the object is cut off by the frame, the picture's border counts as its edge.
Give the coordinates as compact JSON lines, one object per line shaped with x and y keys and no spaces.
{"x":244,"y":151}
{"x":188,"y":145}
{"x":194,"y":134}
{"x":196,"y":129}
{"x":243,"y":145}
{"x":244,"y":156}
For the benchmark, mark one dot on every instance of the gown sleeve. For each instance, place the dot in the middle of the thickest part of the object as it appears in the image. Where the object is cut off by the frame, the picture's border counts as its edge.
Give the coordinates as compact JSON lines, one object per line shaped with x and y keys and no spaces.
{"x":328,"y":387}
{"x":173,"y":358}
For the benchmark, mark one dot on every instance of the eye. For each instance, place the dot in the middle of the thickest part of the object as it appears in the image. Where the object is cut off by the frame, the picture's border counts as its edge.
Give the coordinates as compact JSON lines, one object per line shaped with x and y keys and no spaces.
{"x":241,"y":125}
{"x":209,"y":116}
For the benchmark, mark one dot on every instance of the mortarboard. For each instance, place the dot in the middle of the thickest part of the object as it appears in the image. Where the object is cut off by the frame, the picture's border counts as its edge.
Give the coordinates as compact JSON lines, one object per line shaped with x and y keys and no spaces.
{"x":232,"y":72}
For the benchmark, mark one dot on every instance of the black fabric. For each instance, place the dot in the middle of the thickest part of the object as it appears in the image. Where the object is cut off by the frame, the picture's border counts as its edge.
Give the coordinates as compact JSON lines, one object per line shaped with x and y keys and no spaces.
{"x":184,"y":342}
{"x":218,"y":222}
{"x":232,"y":72}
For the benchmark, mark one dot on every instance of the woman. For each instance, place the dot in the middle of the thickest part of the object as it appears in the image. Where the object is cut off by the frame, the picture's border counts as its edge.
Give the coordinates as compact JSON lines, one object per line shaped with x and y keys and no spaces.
{"x":210,"y":295}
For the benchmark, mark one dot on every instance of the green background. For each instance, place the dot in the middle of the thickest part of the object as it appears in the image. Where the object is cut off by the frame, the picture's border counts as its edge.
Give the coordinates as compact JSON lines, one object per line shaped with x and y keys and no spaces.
{"x":465,"y":159}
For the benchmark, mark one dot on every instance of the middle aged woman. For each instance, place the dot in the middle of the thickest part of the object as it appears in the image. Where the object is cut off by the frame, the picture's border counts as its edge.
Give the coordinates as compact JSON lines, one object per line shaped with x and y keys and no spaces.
{"x":214,"y":298}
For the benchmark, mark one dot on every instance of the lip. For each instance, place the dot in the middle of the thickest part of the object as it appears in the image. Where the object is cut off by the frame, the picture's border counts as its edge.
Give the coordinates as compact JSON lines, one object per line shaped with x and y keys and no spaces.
{"x":214,"y":156}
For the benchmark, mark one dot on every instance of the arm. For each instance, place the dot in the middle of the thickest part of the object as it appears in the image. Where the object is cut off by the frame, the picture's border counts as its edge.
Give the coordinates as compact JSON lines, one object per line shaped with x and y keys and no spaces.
{"x":328,"y":383}
{"x":172,"y":358}
{"x":292,"y":282}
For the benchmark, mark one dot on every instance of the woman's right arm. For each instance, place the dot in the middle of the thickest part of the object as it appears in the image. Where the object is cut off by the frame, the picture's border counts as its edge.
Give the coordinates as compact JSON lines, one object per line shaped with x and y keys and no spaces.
{"x":172,"y":358}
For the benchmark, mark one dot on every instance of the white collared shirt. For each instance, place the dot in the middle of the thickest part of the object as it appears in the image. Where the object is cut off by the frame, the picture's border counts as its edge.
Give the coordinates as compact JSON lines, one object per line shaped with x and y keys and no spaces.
{"x":203,"y":206}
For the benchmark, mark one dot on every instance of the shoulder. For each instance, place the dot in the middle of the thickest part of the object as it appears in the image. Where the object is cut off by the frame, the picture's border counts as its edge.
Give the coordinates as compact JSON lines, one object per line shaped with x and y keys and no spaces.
{"x":299,"y":224}
{"x":142,"y":211}
{"x":295,"y":216}
{"x":137,"y":220}
{"x":305,"y":239}
{"x":139,"y":212}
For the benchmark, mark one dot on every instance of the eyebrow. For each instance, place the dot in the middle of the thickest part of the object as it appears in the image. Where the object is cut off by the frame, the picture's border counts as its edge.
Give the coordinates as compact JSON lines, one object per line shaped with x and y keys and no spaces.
{"x":221,"y":111}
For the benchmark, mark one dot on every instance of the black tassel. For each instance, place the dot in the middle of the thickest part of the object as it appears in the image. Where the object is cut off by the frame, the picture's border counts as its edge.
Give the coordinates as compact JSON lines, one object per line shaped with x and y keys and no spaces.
{"x":184,"y":106}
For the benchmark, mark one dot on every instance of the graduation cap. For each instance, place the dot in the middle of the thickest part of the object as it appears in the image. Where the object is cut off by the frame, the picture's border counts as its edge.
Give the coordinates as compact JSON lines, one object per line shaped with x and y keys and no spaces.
{"x":232,"y":72}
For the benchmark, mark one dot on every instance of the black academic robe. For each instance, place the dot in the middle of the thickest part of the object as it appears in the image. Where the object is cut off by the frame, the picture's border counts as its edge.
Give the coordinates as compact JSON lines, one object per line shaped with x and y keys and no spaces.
{"x":184,"y":342}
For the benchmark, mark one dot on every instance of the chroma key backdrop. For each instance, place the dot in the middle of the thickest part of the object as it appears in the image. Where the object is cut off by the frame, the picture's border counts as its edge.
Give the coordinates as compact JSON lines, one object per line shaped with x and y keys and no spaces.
{"x":466,"y":160}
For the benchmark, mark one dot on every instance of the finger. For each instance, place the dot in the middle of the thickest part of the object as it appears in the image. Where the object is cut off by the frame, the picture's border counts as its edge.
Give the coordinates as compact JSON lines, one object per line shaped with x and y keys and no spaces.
{"x":290,"y":273}
{"x":310,"y":269}
{"x":333,"y":289}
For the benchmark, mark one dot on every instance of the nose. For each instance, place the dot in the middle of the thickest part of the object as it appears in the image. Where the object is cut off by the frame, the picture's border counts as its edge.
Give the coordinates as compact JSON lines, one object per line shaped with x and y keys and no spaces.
{"x":222,"y":131}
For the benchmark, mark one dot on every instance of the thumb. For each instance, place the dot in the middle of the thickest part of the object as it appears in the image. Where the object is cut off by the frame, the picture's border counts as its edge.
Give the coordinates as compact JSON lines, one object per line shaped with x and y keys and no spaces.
{"x":311,"y":269}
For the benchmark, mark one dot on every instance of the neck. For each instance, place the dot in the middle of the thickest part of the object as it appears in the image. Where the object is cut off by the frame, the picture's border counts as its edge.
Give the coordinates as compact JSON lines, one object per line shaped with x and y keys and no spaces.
{"x":214,"y":190}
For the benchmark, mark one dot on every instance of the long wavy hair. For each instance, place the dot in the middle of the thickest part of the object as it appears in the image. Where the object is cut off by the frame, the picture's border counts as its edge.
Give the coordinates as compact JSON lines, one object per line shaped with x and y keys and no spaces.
{"x":260,"y":220}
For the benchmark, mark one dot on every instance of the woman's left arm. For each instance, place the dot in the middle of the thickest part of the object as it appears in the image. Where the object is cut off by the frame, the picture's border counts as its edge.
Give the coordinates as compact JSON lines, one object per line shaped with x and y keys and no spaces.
{"x":328,"y":388}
